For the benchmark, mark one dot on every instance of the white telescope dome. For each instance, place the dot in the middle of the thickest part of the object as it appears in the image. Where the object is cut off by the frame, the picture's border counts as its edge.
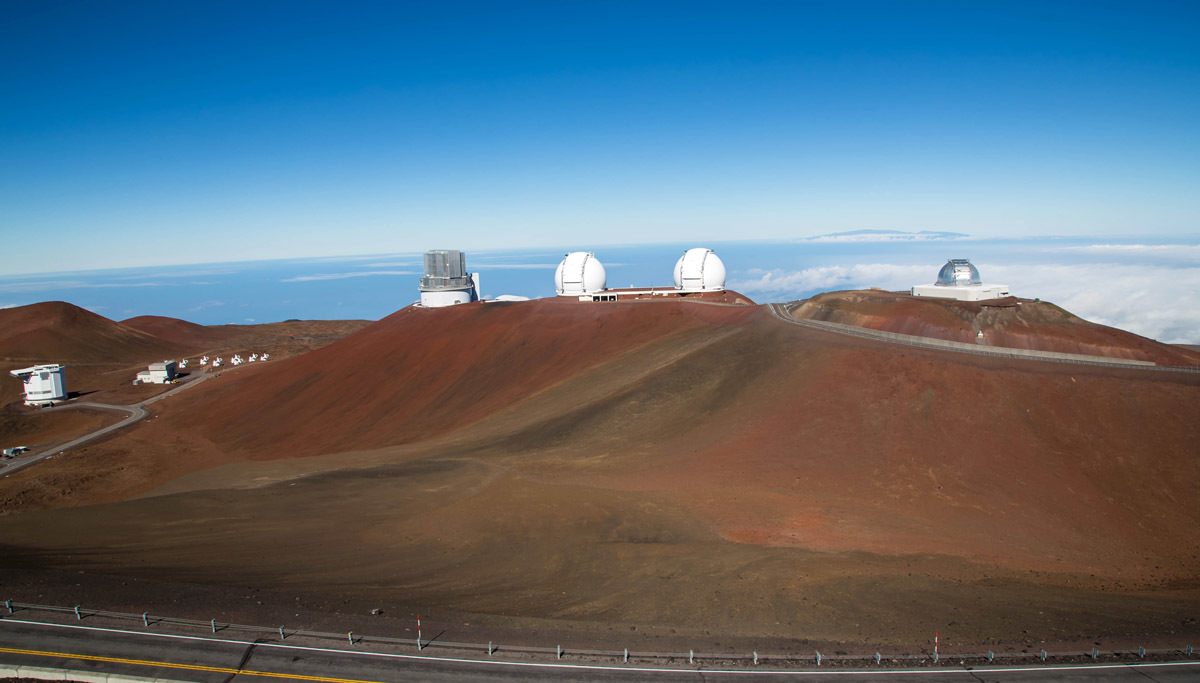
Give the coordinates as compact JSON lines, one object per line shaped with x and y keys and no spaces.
{"x":580,"y":273}
{"x":699,"y":270}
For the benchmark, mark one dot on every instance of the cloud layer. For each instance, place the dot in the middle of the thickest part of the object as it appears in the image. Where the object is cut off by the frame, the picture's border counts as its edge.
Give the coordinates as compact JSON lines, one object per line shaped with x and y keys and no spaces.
{"x":1155,"y":301}
{"x":340,"y":276}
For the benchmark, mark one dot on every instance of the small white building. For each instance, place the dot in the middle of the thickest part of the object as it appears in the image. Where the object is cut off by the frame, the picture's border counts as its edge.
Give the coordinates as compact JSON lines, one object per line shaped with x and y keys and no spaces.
{"x":446,"y":280}
{"x":44,"y":384}
{"x":158,"y":373}
{"x":581,"y":275}
{"x":699,"y":270}
{"x":959,"y":279}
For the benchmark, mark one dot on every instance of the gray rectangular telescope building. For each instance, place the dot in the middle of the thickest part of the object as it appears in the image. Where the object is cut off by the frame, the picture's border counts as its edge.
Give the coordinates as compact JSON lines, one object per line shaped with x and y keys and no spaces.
{"x":446,"y":280}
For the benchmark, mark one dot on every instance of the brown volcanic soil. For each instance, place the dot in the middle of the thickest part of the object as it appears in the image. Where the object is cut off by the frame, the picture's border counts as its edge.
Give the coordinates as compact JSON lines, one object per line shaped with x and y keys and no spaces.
{"x":103,"y":356}
{"x":690,"y":470}
{"x":1009,"y":322}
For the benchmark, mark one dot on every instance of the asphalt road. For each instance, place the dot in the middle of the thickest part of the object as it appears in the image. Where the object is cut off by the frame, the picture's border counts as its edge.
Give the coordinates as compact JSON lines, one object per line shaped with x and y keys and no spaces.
{"x":220,"y":660}
{"x":781,"y":312}
{"x":136,"y":413}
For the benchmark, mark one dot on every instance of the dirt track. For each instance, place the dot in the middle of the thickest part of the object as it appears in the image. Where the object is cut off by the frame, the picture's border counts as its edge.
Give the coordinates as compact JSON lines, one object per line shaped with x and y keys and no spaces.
{"x":666,"y":466}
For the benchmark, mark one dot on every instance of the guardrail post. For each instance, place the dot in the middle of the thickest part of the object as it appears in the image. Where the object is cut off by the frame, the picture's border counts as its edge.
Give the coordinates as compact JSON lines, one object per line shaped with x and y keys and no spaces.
{"x":1043,"y":655}
{"x":691,"y":656}
{"x":77,"y":614}
{"x":818,"y":658}
{"x":146,"y":619}
{"x":991,"y":655}
{"x":1095,"y":653}
{"x":1188,"y":650}
{"x":560,"y":651}
{"x":756,"y":659}
{"x":214,"y":625}
{"x":8,"y":604}
{"x":878,"y":658}
{"x":281,"y":634}
{"x":1142,"y":652}
{"x":489,"y":648}
{"x":626,"y":655}
{"x":350,"y":636}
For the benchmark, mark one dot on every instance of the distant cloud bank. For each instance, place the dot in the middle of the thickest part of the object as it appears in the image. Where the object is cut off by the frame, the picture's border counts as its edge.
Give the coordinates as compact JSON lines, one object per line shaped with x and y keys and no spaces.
{"x":887,"y":236}
{"x":340,"y":276}
{"x":1131,"y":297}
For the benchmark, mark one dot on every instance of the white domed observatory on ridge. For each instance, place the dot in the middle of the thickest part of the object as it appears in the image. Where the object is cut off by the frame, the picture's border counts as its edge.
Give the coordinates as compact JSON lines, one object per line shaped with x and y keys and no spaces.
{"x":699,"y":270}
{"x":579,"y":274}
{"x":959,"y":279}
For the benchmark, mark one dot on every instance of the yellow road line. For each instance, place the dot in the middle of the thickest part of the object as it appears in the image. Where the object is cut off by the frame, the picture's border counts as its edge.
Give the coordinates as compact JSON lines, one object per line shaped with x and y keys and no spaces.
{"x":189,"y":667}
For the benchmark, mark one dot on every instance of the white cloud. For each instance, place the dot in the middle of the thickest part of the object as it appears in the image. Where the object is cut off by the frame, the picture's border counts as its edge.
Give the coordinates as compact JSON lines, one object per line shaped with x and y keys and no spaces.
{"x":347,"y":259}
{"x":249,"y":320}
{"x":339,"y":276}
{"x":207,"y":304}
{"x":1159,"y":302}
{"x":824,"y":278}
{"x":888,"y":236}
{"x":1192,"y":249}
{"x":8,"y":306}
{"x":511,"y":297}
{"x":51,"y":285}
{"x":181,"y":273}
{"x":1154,"y":301}
{"x":1173,"y":254}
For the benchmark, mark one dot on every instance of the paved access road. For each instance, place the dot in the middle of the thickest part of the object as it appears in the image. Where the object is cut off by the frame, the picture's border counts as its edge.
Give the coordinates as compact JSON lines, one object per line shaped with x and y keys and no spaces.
{"x":781,"y":312}
{"x":220,"y":660}
{"x":136,"y":412}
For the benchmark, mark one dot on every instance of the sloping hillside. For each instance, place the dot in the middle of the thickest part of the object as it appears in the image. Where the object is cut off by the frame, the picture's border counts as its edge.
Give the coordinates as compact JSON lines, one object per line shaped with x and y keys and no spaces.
{"x":181,"y":332}
{"x":59,"y":332}
{"x":666,"y":463}
{"x":421,"y":372}
{"x":1009,"y":322}
{"x":99,"y":353}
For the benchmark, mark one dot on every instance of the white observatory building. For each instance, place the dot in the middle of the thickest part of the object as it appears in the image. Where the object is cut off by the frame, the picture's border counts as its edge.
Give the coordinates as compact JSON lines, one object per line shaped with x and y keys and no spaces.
{"x":959,"y":279}
{"x":44,"y":384}
{"x":446,"y":280}
{"x":699,"y":270}
{"x":580,"y":274}
{"x":158,"y":373}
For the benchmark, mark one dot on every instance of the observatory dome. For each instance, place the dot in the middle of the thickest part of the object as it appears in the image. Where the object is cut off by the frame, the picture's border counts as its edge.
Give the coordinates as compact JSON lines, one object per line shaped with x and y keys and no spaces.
{"x":958,"y":272}
{"x":579,"y":273}
{"x":699,"y":270}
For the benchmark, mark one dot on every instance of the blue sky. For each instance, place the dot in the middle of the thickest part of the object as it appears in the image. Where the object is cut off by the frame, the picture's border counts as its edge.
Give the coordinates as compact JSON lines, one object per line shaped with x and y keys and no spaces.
{"x":160,"y":133}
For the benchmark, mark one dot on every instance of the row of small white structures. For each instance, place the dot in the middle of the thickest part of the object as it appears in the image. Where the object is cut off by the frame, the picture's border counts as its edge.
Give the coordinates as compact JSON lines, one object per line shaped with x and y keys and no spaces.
{"x":236,"y":360}
{"x":46,"y":384}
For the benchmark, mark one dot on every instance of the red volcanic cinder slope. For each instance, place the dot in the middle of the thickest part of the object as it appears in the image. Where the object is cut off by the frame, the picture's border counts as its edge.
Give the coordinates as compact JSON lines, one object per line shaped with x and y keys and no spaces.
{"x":1010,"y":322}
{"x":181,"y":332}
{"x":421,"y":372}
{"x":59,"y":332}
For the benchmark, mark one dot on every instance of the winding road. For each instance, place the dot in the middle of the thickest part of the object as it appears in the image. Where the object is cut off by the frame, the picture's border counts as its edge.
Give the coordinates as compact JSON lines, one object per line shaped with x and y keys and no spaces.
{"x":135,"y":412}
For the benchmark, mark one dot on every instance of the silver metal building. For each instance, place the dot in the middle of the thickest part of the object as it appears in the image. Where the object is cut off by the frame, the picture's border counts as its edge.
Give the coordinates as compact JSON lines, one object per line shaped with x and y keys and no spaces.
{"x":959,"y":279}
{"x":446,"y":280}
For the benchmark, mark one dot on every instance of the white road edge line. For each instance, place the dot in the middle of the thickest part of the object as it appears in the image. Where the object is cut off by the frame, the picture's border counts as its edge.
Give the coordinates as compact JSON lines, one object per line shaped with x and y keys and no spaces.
{"x":596,"y":667}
